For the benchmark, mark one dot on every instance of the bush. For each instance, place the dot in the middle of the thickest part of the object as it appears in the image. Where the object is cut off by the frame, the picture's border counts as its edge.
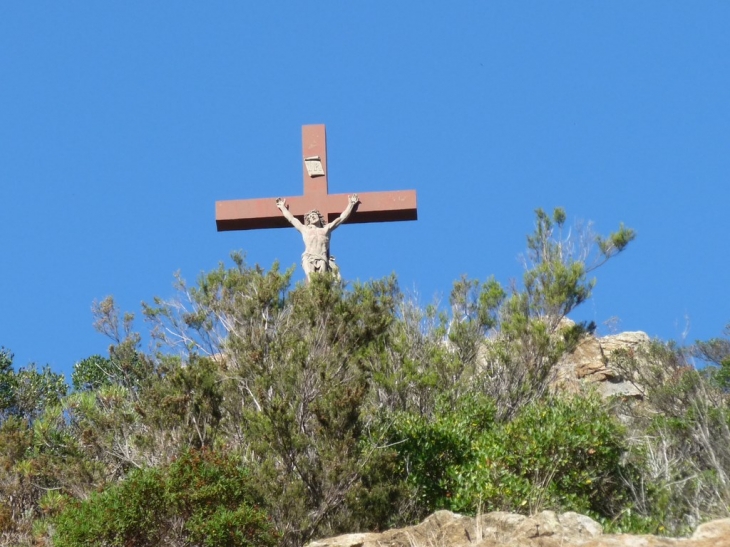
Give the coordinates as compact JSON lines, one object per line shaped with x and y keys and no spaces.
{"x":202,"y":498}
{"x":560,"y":453}
{"x":432,"y":448}
{"x":680,"y":435}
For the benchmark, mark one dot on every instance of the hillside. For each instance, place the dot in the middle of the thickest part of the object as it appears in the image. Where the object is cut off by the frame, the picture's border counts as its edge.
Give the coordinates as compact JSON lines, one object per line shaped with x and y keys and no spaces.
{"x":270,"y":414}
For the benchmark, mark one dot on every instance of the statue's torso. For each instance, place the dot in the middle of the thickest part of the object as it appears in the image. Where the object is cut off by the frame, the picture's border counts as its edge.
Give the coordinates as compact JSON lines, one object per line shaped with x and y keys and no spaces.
{"x":316,"y":241}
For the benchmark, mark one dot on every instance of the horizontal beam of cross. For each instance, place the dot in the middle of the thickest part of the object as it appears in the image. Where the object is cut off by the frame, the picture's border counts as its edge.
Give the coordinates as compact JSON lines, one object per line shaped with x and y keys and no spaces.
{"x":252,"y":214}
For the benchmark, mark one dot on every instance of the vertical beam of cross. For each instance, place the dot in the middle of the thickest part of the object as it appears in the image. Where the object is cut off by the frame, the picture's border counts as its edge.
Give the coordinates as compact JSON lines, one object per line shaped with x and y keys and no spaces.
{"x":252,"y":214}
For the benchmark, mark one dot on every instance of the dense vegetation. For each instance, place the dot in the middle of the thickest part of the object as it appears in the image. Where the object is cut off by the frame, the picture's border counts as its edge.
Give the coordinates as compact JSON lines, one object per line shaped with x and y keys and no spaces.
{"x":271,"y":415}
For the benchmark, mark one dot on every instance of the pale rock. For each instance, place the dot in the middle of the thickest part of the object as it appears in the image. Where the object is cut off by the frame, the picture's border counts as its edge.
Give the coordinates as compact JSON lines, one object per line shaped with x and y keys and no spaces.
{"x":590,"y":365}
{"x":545,"y":529}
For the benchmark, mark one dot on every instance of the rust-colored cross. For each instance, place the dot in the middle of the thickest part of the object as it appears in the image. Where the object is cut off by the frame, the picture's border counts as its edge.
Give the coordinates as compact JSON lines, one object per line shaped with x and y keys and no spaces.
{"x":250,"y":214}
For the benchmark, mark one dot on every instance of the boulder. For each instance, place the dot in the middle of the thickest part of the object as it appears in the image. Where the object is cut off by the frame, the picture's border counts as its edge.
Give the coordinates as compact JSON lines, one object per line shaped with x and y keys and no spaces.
{"x":589,"y":365}
{"x":499,"y":529}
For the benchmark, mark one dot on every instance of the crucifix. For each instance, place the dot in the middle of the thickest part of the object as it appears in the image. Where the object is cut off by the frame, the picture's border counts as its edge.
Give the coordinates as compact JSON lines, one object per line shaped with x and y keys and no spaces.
{"x":253,"y":214}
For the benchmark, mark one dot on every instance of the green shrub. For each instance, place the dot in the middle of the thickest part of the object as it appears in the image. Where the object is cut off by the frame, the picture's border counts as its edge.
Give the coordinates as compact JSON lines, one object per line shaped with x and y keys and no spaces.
{"x":202,"y":497}
{"x":431,"y":448}
{"x":560,"y":453}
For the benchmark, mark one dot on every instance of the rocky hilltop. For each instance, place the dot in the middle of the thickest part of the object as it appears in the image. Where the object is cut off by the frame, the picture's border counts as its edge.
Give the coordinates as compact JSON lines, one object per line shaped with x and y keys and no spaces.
{"x":545,"y":529}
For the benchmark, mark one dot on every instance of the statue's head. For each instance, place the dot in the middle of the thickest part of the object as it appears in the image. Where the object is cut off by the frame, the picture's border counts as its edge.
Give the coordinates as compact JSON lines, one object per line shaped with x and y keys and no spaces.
{"x":314,"y":217}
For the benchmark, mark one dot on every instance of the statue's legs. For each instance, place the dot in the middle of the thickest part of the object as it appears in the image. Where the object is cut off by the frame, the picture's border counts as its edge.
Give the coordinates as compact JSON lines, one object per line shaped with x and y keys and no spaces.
{"x":312,"y":265}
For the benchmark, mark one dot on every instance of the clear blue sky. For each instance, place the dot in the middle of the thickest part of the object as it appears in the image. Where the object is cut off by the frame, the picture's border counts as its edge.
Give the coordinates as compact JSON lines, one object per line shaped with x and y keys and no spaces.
{"x":121,"y":124}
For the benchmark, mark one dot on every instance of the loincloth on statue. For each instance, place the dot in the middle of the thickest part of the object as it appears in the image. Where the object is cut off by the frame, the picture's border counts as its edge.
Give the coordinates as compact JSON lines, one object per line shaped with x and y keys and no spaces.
{"x":315,"y":262}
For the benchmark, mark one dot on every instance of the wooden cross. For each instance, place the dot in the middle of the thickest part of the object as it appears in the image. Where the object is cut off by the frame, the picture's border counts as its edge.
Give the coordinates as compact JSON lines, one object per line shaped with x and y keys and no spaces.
{"x":251,"y":214}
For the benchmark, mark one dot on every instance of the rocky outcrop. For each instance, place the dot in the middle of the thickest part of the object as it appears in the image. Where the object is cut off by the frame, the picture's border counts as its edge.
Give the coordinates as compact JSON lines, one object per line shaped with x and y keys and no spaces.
{"x":545,"y":529}
{"x":590,"y":365}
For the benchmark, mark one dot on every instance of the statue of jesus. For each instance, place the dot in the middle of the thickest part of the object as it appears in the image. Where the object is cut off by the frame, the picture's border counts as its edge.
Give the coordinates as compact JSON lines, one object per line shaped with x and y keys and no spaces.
{"x":316,"y":234}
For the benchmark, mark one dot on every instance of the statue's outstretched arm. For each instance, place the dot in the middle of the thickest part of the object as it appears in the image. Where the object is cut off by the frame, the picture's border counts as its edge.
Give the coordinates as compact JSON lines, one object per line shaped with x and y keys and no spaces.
{"x":345,"y":214}
{"x":294,"y":221}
